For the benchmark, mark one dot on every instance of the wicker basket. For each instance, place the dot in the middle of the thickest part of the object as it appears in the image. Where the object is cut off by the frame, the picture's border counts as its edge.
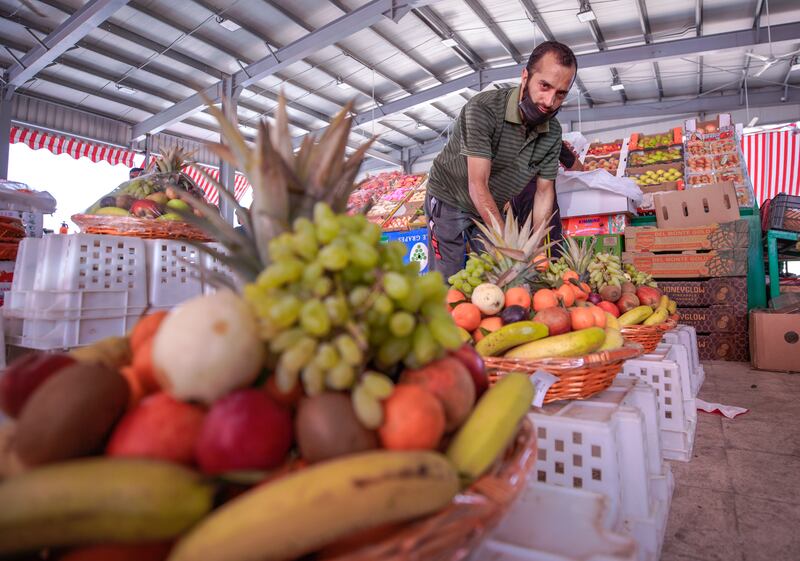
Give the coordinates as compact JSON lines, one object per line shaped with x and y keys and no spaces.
{"x":453,"y":533}
{"x":579,"y":378}
{"x":649,"y":336}
{"x":139,"y":227}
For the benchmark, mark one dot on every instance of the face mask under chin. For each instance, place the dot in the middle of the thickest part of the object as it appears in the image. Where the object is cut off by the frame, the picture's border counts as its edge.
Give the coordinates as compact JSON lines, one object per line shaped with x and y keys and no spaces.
{"x":532,"y":116}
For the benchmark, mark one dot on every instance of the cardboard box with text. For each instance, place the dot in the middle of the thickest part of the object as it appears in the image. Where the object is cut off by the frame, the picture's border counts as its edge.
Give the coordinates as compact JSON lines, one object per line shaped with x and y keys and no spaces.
{"x":713,"y":236}
{"x":717,"y":263}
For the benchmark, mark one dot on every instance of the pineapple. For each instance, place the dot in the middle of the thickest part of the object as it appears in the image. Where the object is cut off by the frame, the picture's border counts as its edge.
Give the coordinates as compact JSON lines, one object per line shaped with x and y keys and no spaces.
{"x":286,"y":185}
{"x":575,"y":256}
{"x":513,"y":250}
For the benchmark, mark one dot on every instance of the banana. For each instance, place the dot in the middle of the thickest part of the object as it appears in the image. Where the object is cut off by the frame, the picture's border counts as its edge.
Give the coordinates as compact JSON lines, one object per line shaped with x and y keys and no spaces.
{"x":113,"y":352}
{"x":99,"y":500}
{"x":612,"y":321}
{"x":659,"y":316}
{"x":301,"y":512}
{"x":672,"y":307}
{"x":614,"y":340}
{"x":491,"y":425}
{"x":509,"y":336}
{"x":575,"y":343}
{"x":635,"y":316}
{"x":663,"y":302}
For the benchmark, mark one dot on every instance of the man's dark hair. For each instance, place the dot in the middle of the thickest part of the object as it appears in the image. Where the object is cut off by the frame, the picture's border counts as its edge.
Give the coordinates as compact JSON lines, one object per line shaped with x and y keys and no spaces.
{"x":564,"y":55}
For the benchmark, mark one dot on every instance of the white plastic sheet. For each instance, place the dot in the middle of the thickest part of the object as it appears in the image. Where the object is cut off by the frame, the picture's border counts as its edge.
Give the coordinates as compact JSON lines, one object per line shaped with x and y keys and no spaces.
{"x":568,"y":181}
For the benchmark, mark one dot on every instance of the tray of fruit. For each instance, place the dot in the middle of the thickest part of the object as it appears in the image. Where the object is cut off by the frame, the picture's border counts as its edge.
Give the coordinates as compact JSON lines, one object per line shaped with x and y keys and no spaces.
{"x":656,"y":177}
{"x":726,"y":160}
{"x":699,"y":163}
{"x":328,"y":409}
{"x":661,"y":140}
{"x":555,"y":329}
{"x":700,"y":179}
{"x":649,"y":157}
{"x":697,"y":148}
{"x":609,"y":164}
{"x":604,"y":149}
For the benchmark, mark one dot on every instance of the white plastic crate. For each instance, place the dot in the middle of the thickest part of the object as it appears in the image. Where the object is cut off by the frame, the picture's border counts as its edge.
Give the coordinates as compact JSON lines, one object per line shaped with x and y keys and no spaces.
{"x":49,"y":334}
{"x":610,"y":444}
{"x":666,"y":370}
{"x":551,"y":523}
{"x":687,"y":336}
{"x":71,"y":303}
{"x":217,"y":266}
{"x":173,"y":276}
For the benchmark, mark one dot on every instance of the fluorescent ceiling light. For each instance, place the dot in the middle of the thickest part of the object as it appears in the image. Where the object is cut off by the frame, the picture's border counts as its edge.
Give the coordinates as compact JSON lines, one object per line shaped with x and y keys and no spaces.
{"x":341,"y":84}
{"x":586,"y":15}
{"x":450,"y":42}
{"x":228,"y":24}
{"x":617,"y":87}
{"x":125,"y":89}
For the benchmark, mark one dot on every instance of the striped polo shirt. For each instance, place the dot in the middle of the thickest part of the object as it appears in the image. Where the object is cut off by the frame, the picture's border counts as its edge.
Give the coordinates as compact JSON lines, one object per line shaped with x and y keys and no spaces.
{"x":490,"y":127}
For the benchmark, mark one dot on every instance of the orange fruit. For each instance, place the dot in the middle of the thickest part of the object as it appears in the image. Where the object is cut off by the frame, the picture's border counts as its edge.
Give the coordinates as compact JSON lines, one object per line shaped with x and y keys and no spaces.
{"x":581,"y":292}
{"x":599,"y":315}
{"x":146,"y":328}
{"x":454,"y":297}
{"x":540,"y":262}
{"x":581,"y":318}
{"x":413,"y":419}
{"x":492,"y":323}
{"x":467,"y":316}
{"x":544,"y":298}
{"x":569,"y":274}
{"x":566,"y":295}
{"x":518,"y":296}
{"x":143,"y":366}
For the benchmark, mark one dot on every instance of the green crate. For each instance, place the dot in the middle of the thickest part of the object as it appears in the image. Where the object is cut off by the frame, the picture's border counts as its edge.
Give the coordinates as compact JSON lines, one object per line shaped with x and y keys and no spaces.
{"x":606,"y":243}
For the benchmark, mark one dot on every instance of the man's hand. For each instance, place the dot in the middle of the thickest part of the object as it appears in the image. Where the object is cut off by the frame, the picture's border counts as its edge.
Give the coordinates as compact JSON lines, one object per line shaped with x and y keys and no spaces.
{"x":543,"y":201}
{"x":478,"y":170}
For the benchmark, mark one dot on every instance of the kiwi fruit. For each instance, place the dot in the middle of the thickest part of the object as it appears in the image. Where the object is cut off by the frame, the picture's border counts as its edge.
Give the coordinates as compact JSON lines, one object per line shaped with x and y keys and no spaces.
{"x":326,"y":427}
{"x":71,"y":415}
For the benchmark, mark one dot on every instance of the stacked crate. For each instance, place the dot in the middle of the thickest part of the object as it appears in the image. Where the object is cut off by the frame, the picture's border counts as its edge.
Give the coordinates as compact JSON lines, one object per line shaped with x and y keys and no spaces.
{"x":704,"y":269}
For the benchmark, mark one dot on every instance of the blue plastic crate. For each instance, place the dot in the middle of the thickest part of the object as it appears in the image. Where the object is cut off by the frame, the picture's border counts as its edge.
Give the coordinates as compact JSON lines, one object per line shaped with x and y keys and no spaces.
{"x":416,"y":242}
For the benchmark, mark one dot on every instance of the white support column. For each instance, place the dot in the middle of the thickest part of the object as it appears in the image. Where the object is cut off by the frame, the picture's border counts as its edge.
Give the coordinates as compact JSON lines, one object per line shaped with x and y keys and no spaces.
{"x":5,"y":129}
{"x":227,"y":173}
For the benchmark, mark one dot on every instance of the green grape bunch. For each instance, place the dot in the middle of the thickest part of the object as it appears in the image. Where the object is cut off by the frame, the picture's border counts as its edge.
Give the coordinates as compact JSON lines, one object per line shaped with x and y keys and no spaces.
{"x":473,"y":274}
{"x":335,"y":301}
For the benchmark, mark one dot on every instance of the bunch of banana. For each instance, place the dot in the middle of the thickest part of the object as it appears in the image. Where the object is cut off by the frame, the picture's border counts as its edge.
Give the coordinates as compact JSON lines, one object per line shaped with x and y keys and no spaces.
{"x":555,"y":270}
{"x":301,"y":512}
{"x":638,"y":277}
{"x":645,"y":315}
{"x":605,"y":269}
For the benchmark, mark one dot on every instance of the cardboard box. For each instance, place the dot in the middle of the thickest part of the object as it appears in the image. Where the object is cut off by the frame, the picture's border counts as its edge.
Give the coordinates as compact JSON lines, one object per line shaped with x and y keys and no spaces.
{"x":717,"y":263}
{"x":731,"y":291}
{"x":715,"y":319}
{"x":723,"y":346}
{"x":416,"y":242}
{"x":775,"y":339}
{"x":698,"y":206}
{"x":595,"y":225}
{"x":609,"y":243}
{"x":589,"y":202}
{"x":714,"y":236}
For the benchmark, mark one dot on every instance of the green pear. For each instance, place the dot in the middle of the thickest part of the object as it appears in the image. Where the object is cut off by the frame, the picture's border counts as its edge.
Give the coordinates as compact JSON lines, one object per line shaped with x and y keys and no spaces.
{"x":170,"y":216}
{"x":177,"y":204}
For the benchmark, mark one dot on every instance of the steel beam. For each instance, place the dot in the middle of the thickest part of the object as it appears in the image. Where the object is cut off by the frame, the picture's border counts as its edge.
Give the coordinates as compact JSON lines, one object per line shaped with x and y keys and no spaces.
{"x":63,"y":37}
{"x":5,"y":129}
{"x":698,"y":18}
{"x":324,"y":36}
{"x":538,"y":20}
{"x":227,"y":173}
{"x":491,"y":25}
{"x":622,"y":55}
{"x":644,"y":21}
{"x":440,"y":28}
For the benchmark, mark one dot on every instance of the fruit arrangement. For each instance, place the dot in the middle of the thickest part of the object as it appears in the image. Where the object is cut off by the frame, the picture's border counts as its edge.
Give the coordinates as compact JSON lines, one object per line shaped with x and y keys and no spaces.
{"x":657,"y":140}
{"x":727,"y":160}
{"x":656,"y":177}
{"x":604,"y":149}
{"x":700,"y":179}
{"x":608,"y":164}
{"x":157,"y":194}
{"x":699,"y":163}
{"x":332,"y":395}
{"x":649,"y":157}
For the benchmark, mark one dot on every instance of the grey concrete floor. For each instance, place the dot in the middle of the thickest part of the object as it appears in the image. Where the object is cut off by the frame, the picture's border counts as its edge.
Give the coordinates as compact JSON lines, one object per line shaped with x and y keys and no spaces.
{"x":739,"y":497}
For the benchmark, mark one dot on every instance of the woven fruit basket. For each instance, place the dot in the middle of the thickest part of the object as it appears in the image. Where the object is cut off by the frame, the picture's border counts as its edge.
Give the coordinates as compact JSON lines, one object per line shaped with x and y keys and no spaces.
{"x":579,"y":378}
{"x":139,"y":227}
{"x":453,"y":533}
{"x":649,"y":336}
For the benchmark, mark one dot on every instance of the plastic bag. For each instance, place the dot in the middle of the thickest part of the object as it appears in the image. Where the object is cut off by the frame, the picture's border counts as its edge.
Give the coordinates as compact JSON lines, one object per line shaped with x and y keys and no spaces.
{"x":576,"y":140}
{"x":568,"y":181}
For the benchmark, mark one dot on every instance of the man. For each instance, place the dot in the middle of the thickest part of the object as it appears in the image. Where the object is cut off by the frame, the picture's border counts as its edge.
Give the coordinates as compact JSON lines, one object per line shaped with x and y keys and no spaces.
{"x":135,"y":172}
{"x":501,"y":141}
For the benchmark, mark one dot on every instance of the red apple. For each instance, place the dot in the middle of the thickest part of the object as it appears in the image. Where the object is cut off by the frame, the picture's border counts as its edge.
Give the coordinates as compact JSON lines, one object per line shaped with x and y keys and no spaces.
{"x":245,"y":430}
{"x":557,"y":320}
{"x":24,"y":375}
{"x":145,"y":208}
{"x":470,"y":358}
{"x":648,"y":296}
{"x":451,"y":383}
{"x":609,"y":307}
{"x":160,"y":427}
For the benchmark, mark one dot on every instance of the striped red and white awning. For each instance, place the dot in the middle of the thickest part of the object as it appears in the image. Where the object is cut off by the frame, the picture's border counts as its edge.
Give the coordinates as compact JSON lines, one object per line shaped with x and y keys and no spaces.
{"x":773,"y":162}
{"x":75,"y":147}
{"x":241,"y":185}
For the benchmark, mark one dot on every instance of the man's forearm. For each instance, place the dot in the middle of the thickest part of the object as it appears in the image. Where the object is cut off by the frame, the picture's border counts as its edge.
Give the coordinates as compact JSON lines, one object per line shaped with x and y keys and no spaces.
{"x":543,"y":201}
{"x":484,"y":203}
